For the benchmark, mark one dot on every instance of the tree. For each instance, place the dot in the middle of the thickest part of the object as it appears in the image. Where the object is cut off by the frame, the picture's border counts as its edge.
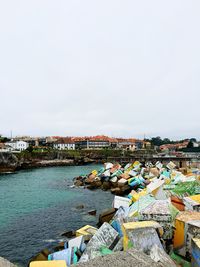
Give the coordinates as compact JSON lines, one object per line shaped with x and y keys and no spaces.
{"x":190,"y":144}
{"x":30,"y":149}
{"x":156,"y":141}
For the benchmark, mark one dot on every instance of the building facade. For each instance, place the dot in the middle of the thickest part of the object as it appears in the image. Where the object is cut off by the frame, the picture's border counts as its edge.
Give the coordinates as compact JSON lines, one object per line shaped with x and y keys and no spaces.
{"x":17,"y":145}
{"x":64,"y":144}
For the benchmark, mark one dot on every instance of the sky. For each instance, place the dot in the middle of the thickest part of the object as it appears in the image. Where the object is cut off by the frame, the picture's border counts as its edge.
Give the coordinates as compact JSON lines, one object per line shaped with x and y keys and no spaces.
{"x":116,"y":67}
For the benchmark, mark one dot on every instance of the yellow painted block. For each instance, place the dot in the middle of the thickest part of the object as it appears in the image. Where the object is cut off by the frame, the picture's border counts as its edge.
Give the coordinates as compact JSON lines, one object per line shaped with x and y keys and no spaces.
{"x":179,"y":235}
{"x":138,"y":225}
{"x":142,"y":224}
{"x":195,"y":198}
{"x":180,"y":227}
{"x":94,"y":172}
{"x":136,"y":196}
{"x":58,"y":263}
{"x":136,"y":163}
{"x":167,"y":181}
{"x":86,"y":231}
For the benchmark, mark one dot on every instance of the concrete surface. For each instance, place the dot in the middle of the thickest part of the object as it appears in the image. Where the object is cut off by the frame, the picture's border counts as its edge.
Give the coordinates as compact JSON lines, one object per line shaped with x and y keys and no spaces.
{"x":122,"y":259}
{"x":5,"y":263}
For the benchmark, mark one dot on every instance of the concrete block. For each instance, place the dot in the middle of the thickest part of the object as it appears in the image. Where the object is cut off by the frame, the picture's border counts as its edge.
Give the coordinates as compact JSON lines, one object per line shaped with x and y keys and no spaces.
{"x":157,"y":211}
{"x":121,"y":202}
{"x":130,"y":258}
{"x":192,"y":203}
{"x":57,"y":263}
{"x":141,"y":204}
{"x":76,"y":242}
{"x":159,"y":255}
{"x":87,"y":231}
{"x":68,"y":255}
{"x":186,"y":220}
{"x":106,"y":236}
{"x":195,"y":247}
{"x":141,"y":235}
{"x":122,"y":182}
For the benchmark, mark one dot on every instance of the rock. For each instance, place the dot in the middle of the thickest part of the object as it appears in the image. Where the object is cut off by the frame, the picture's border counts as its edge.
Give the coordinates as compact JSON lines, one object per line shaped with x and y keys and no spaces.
{"x":106,"y":185}
{"x":90,"y":179}
{"x":95,"y":184}
{"x":78,"y":183}
{"x":69,"y":234}
{"x":114,"y":185}
{"x":79,"y":207}
{"x":117,"y":191}
{"x":92,"y":212}
{"x":8,"y":162}
{"x":106,"y":216}
{"x":88,"y":160}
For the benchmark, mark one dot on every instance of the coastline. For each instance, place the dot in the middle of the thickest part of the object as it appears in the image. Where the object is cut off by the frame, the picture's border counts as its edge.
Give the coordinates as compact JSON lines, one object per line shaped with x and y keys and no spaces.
{"x":11,"y":162}
{"x":43,"y":164}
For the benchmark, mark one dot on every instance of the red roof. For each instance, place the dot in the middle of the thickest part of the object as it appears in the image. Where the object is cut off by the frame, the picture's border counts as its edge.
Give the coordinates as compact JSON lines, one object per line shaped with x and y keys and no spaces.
{"x":65,"y":140}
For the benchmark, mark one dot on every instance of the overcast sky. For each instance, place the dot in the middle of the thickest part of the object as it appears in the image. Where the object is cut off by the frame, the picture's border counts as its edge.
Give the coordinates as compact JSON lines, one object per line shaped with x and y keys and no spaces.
{"x":119,"y":68}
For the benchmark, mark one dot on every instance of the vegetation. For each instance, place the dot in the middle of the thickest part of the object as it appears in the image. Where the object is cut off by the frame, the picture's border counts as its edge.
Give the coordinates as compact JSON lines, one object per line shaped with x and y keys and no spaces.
{"x":3,"y":139}
{"x":158,"y":141}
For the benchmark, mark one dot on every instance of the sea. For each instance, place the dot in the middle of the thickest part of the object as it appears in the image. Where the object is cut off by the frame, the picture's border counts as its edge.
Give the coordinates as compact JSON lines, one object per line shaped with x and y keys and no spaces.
{"x":38,"y":205}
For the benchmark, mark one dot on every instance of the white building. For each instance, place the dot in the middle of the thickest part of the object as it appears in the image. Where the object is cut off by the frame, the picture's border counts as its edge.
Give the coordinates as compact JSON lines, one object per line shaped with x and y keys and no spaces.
{"x":18,"y":145}
{"x":64,"y":144}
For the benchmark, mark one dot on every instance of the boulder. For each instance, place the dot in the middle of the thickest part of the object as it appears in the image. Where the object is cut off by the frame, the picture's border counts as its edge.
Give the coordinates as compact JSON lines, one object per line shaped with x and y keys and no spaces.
{"x":78,"y":183}
{"x":106,"y":185}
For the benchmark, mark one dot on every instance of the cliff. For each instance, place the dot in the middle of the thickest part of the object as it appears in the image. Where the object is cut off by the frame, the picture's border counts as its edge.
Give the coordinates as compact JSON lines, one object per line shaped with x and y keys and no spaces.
{"x":8,"y":162}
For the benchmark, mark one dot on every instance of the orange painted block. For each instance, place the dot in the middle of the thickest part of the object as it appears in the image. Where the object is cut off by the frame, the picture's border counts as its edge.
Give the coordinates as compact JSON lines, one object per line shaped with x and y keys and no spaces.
{"x":178,"y":203}
{"x":182,"y":222}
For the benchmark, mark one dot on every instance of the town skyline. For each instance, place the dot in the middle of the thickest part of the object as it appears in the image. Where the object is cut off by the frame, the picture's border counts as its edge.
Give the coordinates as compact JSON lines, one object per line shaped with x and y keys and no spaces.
{"x":127,"y":69}
{"x":98,"y":136}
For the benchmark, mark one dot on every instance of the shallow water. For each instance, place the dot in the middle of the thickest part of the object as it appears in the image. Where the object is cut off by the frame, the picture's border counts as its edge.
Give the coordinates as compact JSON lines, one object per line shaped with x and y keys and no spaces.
{"x":37,"y":206}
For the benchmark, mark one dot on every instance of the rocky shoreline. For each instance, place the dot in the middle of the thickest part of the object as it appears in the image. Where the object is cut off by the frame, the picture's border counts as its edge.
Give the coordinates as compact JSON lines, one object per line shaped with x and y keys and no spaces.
{"x":10,"y":163}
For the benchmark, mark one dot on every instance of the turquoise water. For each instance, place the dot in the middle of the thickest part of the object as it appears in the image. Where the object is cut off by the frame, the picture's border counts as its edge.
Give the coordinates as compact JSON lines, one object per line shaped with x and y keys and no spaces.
{"x":38,"y":205}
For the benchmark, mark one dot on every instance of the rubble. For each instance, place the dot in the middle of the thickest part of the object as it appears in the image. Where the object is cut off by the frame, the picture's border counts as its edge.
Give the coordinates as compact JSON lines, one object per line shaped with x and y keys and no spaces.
{"x":155,"y":210}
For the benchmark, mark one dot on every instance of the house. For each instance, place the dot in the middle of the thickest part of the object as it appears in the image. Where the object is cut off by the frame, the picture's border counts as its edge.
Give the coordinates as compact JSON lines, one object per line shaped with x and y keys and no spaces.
{"x":129,"y":144}
{"x":64,"y":143}
{"x":195,"y":144}
{"x":94,"y":142}
{"x":173,"y":147}
{"x":17,"y":145}
{"x":126,"y":144}
{"x":102,"y":141}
